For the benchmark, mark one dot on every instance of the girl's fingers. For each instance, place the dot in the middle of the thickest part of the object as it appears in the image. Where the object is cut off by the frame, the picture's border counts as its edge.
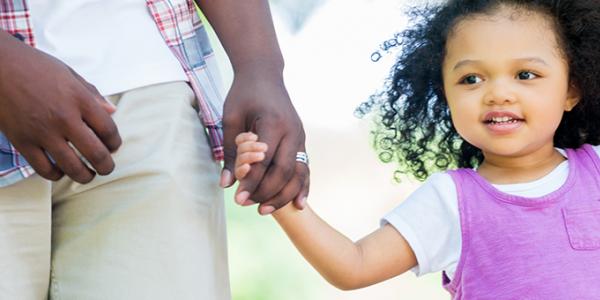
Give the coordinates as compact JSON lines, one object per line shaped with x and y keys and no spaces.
{"x":241,"y":171}
{"x":245,"y":137}
{"x":251,"y":146}
{"x":249,"y":158}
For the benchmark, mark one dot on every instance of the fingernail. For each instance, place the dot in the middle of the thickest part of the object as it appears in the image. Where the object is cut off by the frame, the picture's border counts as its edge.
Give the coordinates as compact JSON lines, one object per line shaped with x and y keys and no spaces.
{"x":225,"y":178}
{"x":241,"y":197}
{"x":266,"y":210}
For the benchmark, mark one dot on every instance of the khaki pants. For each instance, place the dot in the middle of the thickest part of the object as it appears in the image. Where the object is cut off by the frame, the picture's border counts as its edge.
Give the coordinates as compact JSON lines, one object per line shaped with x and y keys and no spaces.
{"x":153,"y":229}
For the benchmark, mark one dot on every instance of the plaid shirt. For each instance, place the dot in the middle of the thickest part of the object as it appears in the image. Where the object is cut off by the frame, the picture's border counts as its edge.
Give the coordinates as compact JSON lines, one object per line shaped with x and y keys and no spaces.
{"x":182,"y":30}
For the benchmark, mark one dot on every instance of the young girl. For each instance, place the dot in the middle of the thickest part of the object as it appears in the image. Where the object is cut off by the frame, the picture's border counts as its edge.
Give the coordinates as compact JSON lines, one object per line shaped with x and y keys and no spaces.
{"x":506,"y":93}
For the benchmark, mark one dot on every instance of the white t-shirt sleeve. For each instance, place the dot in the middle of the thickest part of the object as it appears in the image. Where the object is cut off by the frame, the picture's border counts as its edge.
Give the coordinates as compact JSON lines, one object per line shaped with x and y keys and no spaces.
{"x":429,"y":221}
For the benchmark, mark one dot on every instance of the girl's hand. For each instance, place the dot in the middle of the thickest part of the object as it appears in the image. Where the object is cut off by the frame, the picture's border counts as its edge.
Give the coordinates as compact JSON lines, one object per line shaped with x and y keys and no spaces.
{"x":249,"y":151}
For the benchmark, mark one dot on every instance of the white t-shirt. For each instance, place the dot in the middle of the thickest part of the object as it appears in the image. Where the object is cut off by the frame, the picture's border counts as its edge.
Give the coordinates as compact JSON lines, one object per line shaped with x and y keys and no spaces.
{"x":429,"y":219}
{"x":113,"y":44}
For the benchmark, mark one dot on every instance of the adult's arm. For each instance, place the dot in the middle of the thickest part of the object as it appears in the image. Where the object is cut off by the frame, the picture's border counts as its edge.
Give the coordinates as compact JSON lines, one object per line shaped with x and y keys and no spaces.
{"x":44,"y":105}
{"x":258,"y":101}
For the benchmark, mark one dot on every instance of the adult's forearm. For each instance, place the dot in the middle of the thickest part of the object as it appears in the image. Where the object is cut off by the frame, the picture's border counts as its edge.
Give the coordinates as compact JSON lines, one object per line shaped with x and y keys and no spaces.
{"x":245,"y":28}
{"x":8,"y":45}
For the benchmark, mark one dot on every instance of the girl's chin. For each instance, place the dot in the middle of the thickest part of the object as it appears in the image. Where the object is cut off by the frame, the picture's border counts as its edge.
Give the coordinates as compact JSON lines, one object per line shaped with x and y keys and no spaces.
{"x":509,"y":150}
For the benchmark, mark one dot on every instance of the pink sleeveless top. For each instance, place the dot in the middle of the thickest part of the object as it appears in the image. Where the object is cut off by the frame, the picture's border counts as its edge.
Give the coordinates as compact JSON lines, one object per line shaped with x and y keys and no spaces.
{"x":530,"y":248}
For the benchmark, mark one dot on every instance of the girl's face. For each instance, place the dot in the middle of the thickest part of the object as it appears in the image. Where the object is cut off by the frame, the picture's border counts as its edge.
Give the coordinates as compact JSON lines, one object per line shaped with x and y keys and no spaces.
{"x":506,"y":82}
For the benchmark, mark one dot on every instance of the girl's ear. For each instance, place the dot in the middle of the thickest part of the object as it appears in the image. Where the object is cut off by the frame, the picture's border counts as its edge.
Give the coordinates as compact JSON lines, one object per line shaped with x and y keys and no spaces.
{"x":573,"y":97}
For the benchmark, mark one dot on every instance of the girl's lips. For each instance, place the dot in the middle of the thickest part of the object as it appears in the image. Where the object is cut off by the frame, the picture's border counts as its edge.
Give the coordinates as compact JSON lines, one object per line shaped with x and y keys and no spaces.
{"x":502,"y":128}
{"x":502,"y":122}
{"x":501,"y":114}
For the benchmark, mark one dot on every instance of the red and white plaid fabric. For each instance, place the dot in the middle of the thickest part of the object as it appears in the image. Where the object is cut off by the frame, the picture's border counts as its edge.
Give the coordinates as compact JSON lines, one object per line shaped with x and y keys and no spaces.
{"x":183,"y":32}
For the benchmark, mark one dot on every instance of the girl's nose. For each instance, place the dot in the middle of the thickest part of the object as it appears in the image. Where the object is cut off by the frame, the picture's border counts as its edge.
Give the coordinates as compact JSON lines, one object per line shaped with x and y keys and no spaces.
{"x":499,"y":92}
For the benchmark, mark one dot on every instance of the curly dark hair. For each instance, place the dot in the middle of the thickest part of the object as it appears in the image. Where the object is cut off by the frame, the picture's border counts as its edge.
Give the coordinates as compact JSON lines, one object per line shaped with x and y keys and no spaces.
{"x":413,"y":125}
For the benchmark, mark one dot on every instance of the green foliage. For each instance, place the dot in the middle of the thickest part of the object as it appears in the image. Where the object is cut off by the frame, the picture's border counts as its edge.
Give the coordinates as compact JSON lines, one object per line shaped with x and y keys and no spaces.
{"x":263,"y":263}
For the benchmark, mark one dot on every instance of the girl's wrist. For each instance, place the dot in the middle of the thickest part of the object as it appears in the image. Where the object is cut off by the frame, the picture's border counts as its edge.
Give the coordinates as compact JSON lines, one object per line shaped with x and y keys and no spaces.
{"x":286,"y":211}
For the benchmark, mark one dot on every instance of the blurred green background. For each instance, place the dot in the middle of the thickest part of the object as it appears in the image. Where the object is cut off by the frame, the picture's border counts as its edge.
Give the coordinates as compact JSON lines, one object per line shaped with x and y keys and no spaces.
{"x":328,"y":73}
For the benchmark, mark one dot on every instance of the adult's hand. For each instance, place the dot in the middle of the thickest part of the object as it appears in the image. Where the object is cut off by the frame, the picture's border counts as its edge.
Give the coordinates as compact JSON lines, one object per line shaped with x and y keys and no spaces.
{"x":258,"y":102}
{"x":44,"y":106}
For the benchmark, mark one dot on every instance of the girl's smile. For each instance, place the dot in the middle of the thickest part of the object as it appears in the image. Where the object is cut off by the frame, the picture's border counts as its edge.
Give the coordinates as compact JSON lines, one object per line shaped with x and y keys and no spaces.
{"x":502,"y":122}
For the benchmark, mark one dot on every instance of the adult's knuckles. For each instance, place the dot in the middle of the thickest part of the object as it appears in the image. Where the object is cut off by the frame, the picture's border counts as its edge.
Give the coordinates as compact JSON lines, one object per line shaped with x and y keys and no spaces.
{"x":62,"y":119}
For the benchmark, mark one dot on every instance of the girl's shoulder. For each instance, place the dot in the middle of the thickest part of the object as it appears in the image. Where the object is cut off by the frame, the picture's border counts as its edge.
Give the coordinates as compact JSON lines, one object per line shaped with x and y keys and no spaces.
{"x":439,"y":180}
{"x":436,"y":194}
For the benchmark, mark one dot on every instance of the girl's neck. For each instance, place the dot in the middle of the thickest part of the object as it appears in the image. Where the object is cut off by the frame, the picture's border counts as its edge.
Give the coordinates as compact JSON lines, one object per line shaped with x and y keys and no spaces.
{"x":519,"y":169}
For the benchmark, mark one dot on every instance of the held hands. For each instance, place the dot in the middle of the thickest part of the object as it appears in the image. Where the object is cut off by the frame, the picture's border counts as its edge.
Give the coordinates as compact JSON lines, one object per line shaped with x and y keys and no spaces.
{"x":258,"y":101}
{"x":250,"y":152}
{"x":45,"y":106}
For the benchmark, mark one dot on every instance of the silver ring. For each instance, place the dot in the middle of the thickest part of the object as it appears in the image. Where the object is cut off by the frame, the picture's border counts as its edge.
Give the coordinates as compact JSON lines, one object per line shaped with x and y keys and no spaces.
{"x":302,"y":157}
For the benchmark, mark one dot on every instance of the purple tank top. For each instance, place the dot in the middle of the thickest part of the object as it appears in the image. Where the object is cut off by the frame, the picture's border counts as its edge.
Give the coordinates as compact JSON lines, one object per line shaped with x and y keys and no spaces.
{"x":530,"y":248}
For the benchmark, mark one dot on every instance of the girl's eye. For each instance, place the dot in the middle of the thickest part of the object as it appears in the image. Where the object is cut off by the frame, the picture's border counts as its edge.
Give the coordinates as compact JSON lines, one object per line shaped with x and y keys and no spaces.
{"x":471,"y":79}
{"x":526,"y":75}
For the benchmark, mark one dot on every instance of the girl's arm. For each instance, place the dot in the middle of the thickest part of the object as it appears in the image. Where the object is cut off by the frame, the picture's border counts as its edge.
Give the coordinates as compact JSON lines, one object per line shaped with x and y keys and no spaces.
{"x":347,"y":265}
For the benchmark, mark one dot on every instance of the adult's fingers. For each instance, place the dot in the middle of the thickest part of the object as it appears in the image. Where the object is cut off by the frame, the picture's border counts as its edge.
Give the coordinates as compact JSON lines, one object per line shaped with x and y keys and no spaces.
{"x":232,"y":126}
{"x":267,"y":134}
{"x":279,"y":172}
{"x":104,"y":103}
{"x":301,"y":198}
{"x":101,"y":124}
{"x":92,"y":149}
{"x":65,"y":158}
{"x":42,"y":165}
{"x":290,"y":191}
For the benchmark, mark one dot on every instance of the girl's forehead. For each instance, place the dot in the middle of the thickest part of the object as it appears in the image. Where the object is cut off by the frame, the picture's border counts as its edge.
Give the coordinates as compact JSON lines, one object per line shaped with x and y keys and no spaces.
{"x":503,"y":16}
{"x":503,"y":34}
